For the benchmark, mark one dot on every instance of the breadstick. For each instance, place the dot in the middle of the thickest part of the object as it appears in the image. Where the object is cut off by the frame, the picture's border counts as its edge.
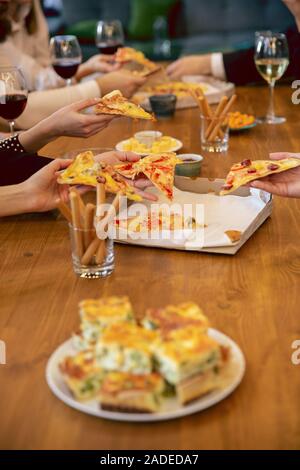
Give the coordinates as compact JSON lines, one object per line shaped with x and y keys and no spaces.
{"x":65,"y":210}
{"x":88,"y":224}
{"x":101,"y":250}
{"x":222,"y":117}
{"x":91,"y":250}
{"x":76,"y":222}
{"x":218,"y":112}
{"x":80,"y":202}
{"x":112,"y":211}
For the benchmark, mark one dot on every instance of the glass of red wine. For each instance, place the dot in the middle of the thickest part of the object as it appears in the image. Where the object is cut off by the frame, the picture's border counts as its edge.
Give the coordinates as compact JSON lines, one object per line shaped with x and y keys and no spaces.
{"x":109,"y":36}
{"x":13,"y":95}
{"x":66,"y":56}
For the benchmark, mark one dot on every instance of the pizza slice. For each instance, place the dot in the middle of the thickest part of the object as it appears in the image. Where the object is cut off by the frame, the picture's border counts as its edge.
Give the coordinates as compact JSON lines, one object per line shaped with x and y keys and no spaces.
{"x":85,"y":170}
{"x":129,"y":54}
{"x":250,"y":170}
{"x":159,"y":169}
{"x":156,"y":221}
{"x":115,"y":103}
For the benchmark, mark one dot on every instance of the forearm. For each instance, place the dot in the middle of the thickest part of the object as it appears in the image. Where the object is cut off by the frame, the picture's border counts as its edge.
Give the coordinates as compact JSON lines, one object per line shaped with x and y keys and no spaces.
{"x":35,"y":138}
{"x":14,"y":200}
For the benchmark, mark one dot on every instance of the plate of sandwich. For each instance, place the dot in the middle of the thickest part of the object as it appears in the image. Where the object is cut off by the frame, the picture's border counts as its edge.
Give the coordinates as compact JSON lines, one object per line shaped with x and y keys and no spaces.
{"x":168,"y":365}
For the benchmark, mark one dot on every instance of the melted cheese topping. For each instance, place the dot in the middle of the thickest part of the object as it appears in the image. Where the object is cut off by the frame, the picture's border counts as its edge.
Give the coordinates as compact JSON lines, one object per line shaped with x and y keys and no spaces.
{"x":106,"y":308}
{"x":176,"y":317}
{"x":116,"y":382}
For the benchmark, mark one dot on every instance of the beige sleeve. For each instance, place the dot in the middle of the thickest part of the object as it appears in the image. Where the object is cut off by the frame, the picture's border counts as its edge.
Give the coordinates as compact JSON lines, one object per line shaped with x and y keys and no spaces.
{"x":43,"y":103}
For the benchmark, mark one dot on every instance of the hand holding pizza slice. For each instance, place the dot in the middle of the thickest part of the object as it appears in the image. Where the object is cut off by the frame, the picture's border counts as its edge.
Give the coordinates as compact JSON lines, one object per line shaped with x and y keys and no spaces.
{"x":285,"y":184}
{"x":159,"y":169}
{"x":89,"y":170}
{"x":249,"y":170}
{"x":129,"y":54}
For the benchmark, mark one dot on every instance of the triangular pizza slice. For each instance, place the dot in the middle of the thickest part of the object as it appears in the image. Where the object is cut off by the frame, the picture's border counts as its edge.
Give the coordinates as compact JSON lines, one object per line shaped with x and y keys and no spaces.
{"x":250,"y":170}
{"x":85,"y":170}
{"x":129,"y":54}
{"x":115,"y":103}
{"x":159,"y":169}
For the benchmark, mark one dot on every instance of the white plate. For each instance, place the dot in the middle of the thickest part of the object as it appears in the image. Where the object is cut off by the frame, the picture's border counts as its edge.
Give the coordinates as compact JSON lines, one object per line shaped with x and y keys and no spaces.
{"x":177,"y":145}
{"x":171,"y":409}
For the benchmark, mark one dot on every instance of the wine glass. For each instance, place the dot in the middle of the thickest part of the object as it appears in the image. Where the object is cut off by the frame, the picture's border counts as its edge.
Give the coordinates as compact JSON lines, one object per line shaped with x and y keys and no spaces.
{"x":109,"y":36}
{"x":13,"y":95}
{"x":66,"y":56}
{"x":271,"y":60}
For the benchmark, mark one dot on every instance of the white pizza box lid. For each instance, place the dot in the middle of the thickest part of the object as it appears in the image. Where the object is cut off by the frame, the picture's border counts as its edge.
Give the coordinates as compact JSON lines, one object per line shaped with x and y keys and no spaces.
{"x":243,"y":211}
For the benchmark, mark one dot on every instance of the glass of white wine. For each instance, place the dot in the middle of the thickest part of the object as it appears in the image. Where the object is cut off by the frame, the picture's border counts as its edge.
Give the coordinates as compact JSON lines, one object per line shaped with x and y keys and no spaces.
{"x":271,"y":60}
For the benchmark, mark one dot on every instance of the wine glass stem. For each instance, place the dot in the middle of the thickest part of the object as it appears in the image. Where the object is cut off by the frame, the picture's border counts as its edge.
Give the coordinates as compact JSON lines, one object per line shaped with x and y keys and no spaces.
{"x":69,"y":81}
{"x":12,"y":127}
{"x":271,"y":114}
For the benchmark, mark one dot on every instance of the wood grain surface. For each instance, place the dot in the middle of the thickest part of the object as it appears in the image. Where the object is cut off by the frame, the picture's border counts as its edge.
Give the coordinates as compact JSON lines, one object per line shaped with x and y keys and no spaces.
{"x":252,"y":297}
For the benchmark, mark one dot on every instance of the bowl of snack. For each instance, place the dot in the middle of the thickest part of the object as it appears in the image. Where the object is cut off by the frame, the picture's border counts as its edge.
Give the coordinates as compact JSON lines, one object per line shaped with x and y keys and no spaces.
{"x":191,"y":165}
{"x":241,"y":122}
{"x":149,"y":142}
{"x":148,"y":137}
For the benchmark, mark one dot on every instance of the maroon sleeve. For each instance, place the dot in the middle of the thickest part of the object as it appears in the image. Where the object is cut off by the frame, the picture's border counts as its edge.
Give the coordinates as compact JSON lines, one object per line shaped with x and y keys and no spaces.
{"x":240,"y":67}
{"x":16,"y":164}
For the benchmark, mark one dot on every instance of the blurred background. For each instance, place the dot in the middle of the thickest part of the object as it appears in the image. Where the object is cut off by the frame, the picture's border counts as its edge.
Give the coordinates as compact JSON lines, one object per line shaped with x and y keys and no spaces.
{"x":165,"y":29}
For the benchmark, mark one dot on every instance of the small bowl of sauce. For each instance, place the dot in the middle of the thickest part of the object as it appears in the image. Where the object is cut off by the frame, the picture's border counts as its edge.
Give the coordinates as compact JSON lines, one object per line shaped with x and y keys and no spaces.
{"x":191,"y":165}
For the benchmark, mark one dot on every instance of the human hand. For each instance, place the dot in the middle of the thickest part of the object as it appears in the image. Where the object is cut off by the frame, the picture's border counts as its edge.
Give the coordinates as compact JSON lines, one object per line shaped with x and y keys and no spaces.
{"x":41,"y":191}
{"x":103,"y":63}
{"x":121,"y":80}
{"x":141,"y":183}
{"x":286,"y":184}
{"x":70,"y":121}
{"x":190,"y":65}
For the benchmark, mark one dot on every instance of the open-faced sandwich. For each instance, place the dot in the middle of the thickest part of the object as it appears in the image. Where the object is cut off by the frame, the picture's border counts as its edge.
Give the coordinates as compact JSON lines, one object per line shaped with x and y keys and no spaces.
{"x":82,"y":375}
{"x":131,"y":367}
{"x":97,"y":314}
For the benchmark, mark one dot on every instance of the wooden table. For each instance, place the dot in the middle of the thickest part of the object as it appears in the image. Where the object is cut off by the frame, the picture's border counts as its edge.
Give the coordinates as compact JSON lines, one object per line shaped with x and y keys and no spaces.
{"x":253,"y":297}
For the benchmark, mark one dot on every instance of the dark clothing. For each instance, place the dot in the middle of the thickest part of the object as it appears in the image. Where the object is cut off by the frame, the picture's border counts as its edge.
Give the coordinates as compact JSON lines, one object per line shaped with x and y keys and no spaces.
{"x":240,"y":67}
{"x":16,"y":164}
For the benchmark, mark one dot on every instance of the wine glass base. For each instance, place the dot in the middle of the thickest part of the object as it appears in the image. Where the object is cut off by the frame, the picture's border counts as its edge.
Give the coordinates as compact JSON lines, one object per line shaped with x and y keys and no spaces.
{"x":271,"y":120}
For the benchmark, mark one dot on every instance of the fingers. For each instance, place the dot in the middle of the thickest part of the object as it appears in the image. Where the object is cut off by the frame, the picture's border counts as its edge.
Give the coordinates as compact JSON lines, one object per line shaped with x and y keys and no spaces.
{"x":86,"y":103}
{"x":127,"y":156}
{"x":281,"y":155}
{"x":174,"y":70}
{"x":172,"y":67}
{"x":60,"y":164}
{"x":264,"y":185}
{"x":91,"y":119}
{"x":142,"y":183}
{"x":146,"y":195}
{"x":107,"y":68}
{"x":106,"y":57}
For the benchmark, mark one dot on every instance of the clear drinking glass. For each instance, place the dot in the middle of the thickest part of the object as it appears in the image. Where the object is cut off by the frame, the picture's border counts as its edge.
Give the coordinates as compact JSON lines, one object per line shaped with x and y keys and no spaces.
{"x":271,"y":60}
{"x":13,"y":95}
{"x":66,"y":56}
{"x":214,"y":133}
{"x":92,"y":258}
{"x":109,"y":36}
